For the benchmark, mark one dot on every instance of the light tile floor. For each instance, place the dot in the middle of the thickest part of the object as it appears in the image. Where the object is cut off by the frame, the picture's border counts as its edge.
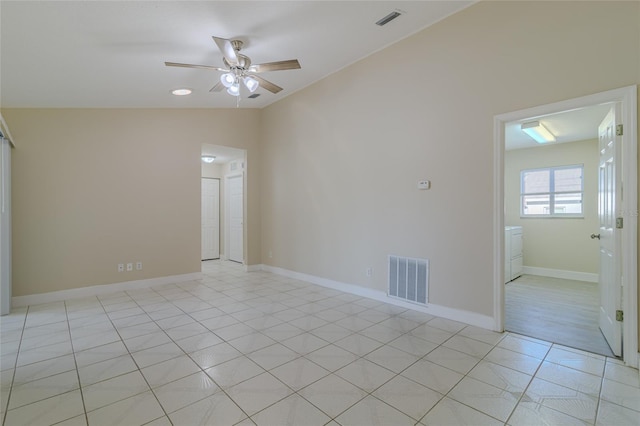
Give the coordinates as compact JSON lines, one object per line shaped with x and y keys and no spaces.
{"x":258,"y":348}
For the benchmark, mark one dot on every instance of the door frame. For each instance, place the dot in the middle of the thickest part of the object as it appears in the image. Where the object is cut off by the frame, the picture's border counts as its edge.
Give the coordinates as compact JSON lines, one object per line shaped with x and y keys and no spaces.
{"x":227,"y":220}
{"x":627,"y":96}
{"x":5,"y":224}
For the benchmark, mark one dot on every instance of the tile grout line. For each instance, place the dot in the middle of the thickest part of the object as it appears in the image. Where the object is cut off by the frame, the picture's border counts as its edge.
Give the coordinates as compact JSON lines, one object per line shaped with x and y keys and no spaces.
{"x":446,"y":395}
{"x":75,"y":362}
{"x":134,"y":361}
{"x":524,"y":391}
{"x":15,"y":367}
{"x":232,"y":289}
{"x":220,"y":388}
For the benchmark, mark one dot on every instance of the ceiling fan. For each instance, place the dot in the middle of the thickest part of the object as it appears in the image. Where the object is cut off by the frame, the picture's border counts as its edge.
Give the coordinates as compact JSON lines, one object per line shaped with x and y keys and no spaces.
{"x":239,"y":69}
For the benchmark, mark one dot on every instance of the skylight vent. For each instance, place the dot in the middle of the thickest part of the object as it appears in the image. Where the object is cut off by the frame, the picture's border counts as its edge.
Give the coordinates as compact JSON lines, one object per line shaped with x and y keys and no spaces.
{"x":390,"y":17}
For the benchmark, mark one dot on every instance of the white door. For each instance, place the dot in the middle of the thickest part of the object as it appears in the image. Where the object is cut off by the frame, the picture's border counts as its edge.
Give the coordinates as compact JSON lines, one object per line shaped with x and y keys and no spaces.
{"x":210,"y":218}
{"x":235,"y":222}
{"x":609,"y":197}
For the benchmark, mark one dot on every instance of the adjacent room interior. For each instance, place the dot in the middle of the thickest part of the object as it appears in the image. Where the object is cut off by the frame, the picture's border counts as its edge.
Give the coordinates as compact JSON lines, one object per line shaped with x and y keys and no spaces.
{"x":551,"y":263}
{"x":223,"y":201}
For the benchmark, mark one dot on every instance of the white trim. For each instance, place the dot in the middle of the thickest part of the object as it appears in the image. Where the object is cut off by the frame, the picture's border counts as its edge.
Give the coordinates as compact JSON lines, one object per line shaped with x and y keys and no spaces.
{"x":467,"y":317}
{"x":95,"y":290}
{"x":560,"y":273}
{"x":254,"y":268}
{"x":627,"y":96}
{"x":6,"y":132}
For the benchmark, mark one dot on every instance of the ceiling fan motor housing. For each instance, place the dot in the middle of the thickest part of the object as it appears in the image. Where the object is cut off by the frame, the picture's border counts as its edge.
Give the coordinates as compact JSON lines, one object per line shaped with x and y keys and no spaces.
{"x":243,"y":63}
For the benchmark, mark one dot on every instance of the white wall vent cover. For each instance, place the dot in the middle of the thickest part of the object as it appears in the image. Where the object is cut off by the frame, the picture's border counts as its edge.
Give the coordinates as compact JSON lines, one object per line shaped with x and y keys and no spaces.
{"x":409,"y":279}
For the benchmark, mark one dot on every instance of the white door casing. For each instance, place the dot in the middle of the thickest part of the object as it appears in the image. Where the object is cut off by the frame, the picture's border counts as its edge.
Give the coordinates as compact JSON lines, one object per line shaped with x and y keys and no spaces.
{"x":210,"y":218}
{"x":234,"y":189}
{"x":5,"y":226}
{"x":609,"y":199}
{"x":628,"y":210}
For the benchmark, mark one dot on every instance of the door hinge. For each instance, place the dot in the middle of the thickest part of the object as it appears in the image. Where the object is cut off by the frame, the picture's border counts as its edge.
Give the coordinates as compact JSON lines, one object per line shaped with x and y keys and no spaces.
{"x":619,"y":130}
{"x":619,"y":222}
{"x":619,"y":315}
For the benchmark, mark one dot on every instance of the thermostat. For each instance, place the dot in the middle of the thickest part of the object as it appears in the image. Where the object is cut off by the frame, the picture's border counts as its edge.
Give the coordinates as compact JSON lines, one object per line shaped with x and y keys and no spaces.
{"x":424,"y":184}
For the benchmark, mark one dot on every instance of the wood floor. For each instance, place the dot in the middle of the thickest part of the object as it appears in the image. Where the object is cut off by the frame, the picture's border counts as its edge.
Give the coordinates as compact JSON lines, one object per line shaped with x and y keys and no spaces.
{"x":556,"y":310}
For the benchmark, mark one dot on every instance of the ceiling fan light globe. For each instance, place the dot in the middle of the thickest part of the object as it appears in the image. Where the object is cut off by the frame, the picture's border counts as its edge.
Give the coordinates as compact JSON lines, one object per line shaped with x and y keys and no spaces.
{"x":234,"y":90}
{"x":251,"y":83}
{"x":227,"y":79}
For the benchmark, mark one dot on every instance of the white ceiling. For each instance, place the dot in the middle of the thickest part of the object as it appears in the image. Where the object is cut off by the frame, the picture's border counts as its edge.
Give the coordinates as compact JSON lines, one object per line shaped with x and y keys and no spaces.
{"x":569,"y":126}
{"x":111,"y":54}
{"x":108,"y":54}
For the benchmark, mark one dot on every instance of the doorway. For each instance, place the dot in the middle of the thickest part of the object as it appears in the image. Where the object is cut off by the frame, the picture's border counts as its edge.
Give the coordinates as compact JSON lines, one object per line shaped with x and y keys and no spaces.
{"x":222,"y":162}
{"x":627,"y":209}
{"x":551,"y":200}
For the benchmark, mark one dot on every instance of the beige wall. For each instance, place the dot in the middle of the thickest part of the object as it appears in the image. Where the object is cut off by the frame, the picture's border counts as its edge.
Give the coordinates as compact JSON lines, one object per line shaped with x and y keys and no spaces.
{"x":342,"y":158}
{"x":94,"y":188}
{"x":556,"y":243}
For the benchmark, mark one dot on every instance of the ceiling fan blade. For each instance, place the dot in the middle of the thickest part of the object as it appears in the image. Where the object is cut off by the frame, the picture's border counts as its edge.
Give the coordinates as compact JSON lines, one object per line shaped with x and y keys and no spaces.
{"x":227,"y":50}
{"x":206,"y":67}
{"x":266,"y":84}
{"x":217,"y":88}
{"x":291,"y":64}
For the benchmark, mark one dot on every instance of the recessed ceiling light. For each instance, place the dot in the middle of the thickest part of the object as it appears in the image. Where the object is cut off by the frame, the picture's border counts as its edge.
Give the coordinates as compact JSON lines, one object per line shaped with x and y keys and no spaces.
{"x":181,"y":92}
{"x":208,"y":158}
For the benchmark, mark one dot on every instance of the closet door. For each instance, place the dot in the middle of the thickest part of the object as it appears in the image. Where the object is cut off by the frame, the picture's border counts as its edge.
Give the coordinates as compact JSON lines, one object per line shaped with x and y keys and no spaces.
{"x":210,"y":218}
{"x":235,"y":218}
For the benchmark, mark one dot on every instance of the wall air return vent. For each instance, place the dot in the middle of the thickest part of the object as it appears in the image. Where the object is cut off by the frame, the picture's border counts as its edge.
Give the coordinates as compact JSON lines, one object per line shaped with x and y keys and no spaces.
{"x":409,"y":279}
{"x":390,"y":17}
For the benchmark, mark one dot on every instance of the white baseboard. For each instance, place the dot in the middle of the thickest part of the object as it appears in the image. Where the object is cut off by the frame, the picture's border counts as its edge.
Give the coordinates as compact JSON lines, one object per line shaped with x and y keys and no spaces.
{"x":559,"y":273}
{"x":75,"y":293}
{"x":253,"y":268}
{"x":467,"y":317}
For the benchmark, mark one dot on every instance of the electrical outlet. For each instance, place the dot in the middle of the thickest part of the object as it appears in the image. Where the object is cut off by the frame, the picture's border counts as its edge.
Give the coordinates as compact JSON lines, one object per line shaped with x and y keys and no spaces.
{"x":138,"y":266}
{"x":270,"y":254}
{"x":129,"y":267}
{"x":369,"y":271}
{"x":120,"y":267}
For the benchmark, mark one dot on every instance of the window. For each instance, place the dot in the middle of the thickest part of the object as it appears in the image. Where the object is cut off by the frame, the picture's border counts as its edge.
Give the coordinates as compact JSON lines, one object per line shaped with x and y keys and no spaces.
{"x":552,"y":192}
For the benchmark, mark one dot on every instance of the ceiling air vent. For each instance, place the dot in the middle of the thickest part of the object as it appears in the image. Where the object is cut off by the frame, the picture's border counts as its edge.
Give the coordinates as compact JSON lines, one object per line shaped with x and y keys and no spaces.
{"x":390,"y":17}
{"x":255,"y":95}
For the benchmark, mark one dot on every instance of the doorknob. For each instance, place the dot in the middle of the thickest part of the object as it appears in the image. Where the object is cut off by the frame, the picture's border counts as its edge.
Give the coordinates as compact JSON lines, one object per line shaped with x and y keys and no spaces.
{"x":594,"y":236}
